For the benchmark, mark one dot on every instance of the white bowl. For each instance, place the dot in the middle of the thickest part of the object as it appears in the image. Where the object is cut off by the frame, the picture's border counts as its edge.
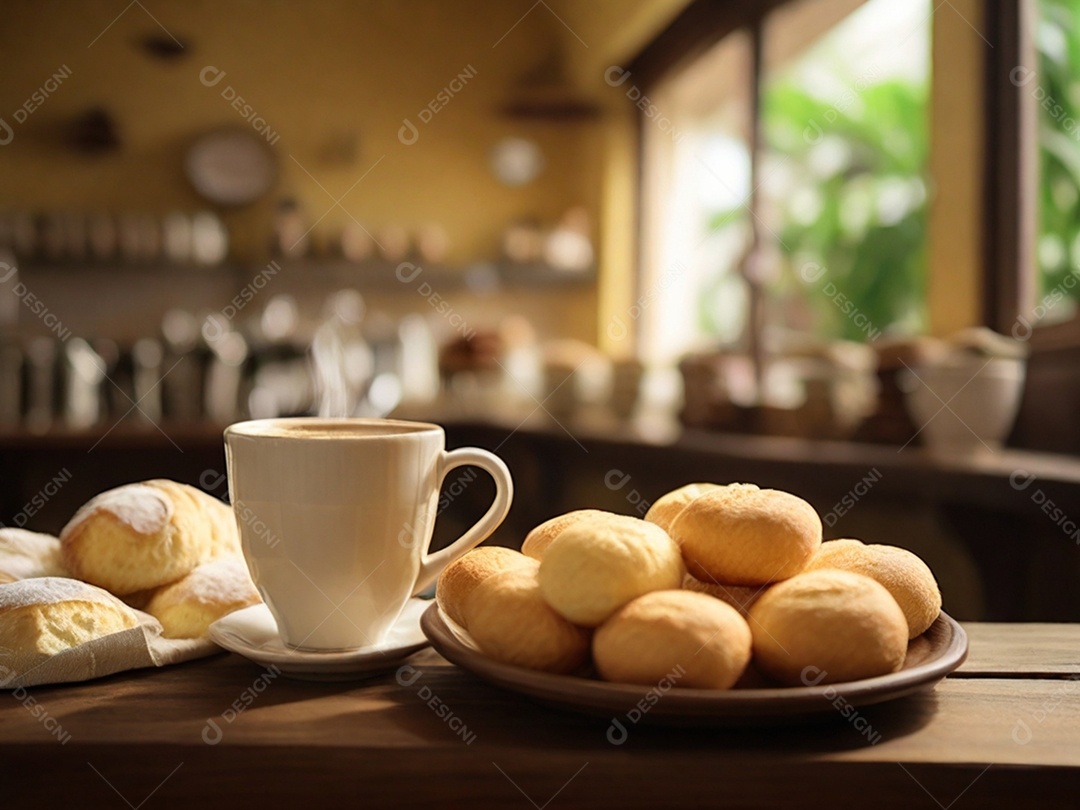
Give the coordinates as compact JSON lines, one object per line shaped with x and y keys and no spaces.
{"x":965,"y":405}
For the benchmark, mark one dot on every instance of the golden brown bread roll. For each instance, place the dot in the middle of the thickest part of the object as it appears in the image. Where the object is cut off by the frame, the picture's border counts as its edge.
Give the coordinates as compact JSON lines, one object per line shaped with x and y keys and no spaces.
{"x":690,"y":639}
{"x":668,"y":506}
{"x":459,"y":578}
{"x":740,"y":597}
{"x":828,"y":549}
{"x":537,"y":541}
{"x":187,"y":607}
{"x":742,"y":535}
{"x":25,"y":554}
{"x":904,"y":575}
{"x":146,"y":535}
{"x":510,"y":621}
{"x":593,"y":568}
{"x":827,"y":626}
{"x":44,"y":616}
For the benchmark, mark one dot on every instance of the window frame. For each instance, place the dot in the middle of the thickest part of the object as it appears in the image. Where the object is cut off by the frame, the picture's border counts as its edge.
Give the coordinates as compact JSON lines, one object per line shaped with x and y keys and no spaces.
{"x":699,"y":27}
{"x":1010,"y":233}
{"x":1010,"y":217}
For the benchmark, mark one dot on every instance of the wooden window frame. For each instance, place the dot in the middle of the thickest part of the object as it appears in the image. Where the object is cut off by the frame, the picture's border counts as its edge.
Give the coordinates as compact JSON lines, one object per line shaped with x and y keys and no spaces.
{"x":1010,"y":233}
{"x":1010,"y":216}
{"x":702,"y":25}
{"x":1011,"y":222}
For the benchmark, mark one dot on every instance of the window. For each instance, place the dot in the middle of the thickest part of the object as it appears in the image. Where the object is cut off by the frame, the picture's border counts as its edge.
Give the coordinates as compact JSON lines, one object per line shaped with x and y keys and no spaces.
{"x":827,"y":215}
{"x":1032,"y":232}
{"x":695,"y":186}
{"x":1057,"y":90}
{"x":1032,"y":250}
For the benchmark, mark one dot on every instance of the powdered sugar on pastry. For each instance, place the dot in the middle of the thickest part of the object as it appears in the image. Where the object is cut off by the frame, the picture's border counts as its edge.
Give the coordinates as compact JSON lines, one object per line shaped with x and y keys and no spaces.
{"x":25,"y":554}
{"x":53,"y":591}
{"x":145,"y":509}
{"x":187,"y":607}
{"x":224,"y":580}
{"x":146,"y":535}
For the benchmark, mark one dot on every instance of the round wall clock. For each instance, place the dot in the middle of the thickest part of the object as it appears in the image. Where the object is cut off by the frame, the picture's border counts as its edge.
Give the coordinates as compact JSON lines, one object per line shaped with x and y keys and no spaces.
{"x":516,"y":161}
{"x":231,"y":167}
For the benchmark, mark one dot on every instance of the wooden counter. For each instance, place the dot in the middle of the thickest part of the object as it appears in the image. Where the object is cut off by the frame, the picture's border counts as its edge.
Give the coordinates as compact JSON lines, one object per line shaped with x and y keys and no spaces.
{"x":1004,"y":731}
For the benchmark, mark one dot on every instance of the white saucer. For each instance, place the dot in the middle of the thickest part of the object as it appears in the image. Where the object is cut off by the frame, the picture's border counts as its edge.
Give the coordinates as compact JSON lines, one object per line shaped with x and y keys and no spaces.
{"x":253,"y":633}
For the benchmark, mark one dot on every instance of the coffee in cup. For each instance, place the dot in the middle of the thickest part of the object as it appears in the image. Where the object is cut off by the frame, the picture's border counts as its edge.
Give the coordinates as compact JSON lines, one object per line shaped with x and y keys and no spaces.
{"x":336,"y":518}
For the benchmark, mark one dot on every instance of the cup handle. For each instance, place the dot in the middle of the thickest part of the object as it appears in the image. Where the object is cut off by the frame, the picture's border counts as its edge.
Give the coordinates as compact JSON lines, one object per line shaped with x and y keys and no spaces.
{"x":433,"y":564}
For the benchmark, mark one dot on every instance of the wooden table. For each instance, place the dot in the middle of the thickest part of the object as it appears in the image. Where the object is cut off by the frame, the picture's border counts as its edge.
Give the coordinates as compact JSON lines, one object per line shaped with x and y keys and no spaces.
{"x":1004,"y":731}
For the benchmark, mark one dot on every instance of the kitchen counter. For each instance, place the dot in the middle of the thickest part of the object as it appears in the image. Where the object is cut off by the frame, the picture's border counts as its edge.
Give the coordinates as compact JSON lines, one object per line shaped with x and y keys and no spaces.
{"x":1003,"y":731}
{"x":909,"y":469}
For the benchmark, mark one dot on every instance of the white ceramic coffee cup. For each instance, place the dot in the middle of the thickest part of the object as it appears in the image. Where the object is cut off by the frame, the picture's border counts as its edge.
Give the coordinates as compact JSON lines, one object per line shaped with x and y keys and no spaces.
{"x":336,"y":517}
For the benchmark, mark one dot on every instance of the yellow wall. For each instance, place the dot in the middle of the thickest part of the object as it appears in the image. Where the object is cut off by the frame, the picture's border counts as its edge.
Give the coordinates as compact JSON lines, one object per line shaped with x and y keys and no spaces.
{"x":318,"y":73}
{"x":322,"y":74}
{"x":954,"y":283}
{"x":614,"y":45}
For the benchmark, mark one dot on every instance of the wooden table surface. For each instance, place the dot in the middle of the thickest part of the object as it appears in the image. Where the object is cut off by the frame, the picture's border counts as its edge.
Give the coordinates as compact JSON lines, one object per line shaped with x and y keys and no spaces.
{"x":1004,"y":731}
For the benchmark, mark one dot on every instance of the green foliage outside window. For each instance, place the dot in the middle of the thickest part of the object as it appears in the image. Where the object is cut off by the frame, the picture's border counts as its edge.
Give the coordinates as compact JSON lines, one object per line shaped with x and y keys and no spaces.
{"x":854,"y":202}
{"x":859,"y":166}
{"x":1057,"y":88}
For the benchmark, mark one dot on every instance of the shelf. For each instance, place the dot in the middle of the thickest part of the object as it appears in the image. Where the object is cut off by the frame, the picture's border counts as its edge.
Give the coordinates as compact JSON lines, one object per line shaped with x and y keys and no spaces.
{"x":408,"y":275}
{"x":30,"y":270}
{"x":119,"y":437}
{"x":372,"y":274}
{"x":824,"y":455}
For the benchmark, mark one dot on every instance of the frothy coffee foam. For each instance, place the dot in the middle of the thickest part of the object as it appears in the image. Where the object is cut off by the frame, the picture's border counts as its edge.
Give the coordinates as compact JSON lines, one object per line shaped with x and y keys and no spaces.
{"x":325,"y":430}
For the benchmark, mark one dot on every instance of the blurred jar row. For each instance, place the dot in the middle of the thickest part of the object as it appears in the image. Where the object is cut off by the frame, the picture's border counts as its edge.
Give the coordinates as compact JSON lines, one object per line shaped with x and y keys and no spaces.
{"x":954,"y":395}
{"x":180,"y":238}
{"x":342,"y":361}
{"x":207,"y":367}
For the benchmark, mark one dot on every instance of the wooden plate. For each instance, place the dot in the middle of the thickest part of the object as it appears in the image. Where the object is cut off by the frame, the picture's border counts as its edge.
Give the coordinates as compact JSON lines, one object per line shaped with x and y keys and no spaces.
{"x":930,"y":657}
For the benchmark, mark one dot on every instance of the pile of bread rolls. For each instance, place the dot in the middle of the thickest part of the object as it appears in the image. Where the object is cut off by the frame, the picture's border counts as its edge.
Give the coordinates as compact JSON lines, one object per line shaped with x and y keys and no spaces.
{"x":720,"y":585}
{"x":162,"y":547}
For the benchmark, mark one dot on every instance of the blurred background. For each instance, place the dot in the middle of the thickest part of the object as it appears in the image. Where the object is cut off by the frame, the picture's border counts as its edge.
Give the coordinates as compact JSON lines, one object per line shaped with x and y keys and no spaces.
{"x":825,"y":245}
